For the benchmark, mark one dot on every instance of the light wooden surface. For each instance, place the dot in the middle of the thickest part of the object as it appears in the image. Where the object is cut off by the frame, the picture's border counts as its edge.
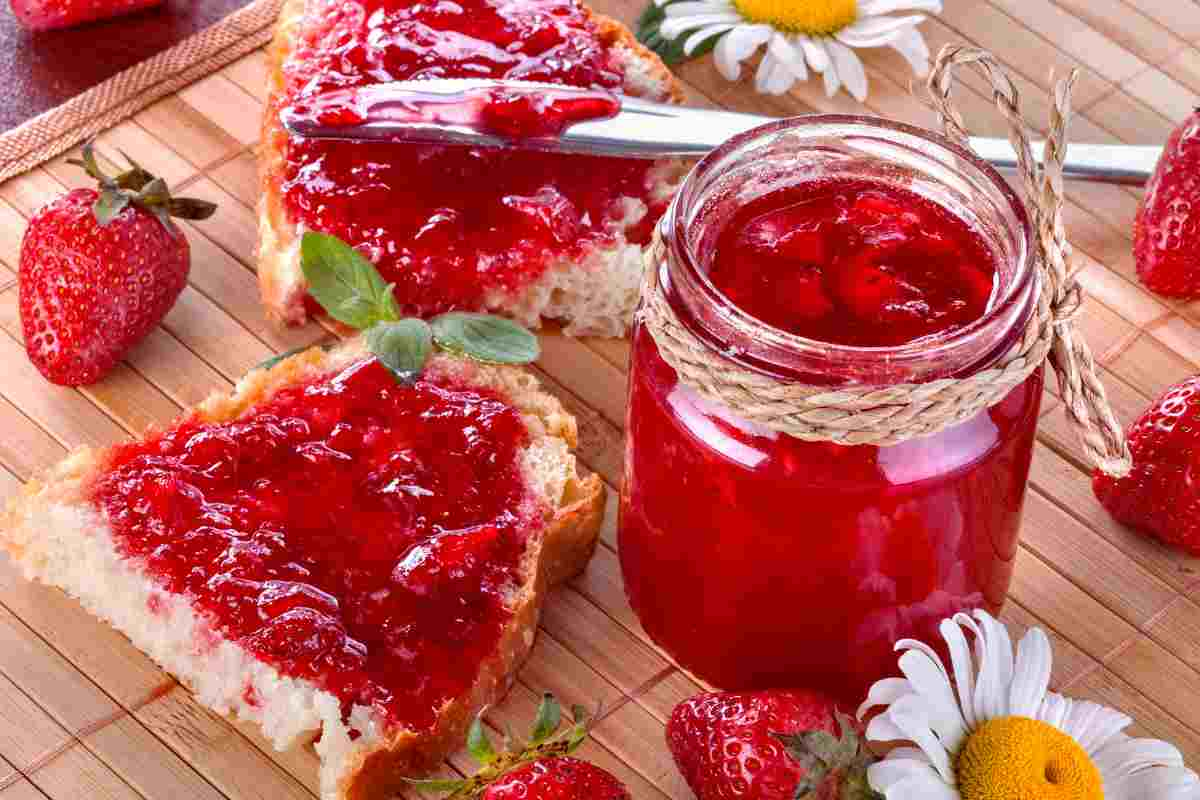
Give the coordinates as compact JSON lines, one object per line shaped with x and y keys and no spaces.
{"x":85,"y":715}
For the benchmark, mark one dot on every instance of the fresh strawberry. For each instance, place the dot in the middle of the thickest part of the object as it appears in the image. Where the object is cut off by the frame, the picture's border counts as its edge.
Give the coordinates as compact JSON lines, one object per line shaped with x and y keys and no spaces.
{"x":769,"y":745}
{"x":99,"y":269}
{"x":1166,"y":234}
{"x":539,"y":770}
{"x":1161,"y":495}
{"x":561,"y":778}
{"x":42,"y":15}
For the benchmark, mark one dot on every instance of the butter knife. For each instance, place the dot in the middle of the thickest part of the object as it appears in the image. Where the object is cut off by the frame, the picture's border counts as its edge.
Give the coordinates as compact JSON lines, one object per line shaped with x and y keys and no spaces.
{"x":453,"y":111}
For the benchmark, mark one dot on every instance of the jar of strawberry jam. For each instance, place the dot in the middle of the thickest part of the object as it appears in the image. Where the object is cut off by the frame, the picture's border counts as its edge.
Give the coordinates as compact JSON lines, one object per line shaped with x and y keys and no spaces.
{"x":829,"y":251}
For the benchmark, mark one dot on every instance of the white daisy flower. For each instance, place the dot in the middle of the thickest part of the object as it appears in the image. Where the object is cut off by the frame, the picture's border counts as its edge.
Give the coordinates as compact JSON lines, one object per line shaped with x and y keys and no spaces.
{"x":800,"y":35}
{"x":989,"y":729}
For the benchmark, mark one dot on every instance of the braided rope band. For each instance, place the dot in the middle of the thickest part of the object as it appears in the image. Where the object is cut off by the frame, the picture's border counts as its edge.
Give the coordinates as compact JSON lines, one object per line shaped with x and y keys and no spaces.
{"x":891,"y":414}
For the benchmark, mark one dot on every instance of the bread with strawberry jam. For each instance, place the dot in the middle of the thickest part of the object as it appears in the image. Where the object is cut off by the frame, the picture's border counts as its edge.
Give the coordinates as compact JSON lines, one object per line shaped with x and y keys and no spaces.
{"x":328,"y":552}
{"x":529,"y":235}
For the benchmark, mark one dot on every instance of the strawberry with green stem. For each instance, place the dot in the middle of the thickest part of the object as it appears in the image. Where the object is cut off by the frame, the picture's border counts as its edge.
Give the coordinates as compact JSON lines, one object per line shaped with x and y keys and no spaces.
{"x":769,"y":745}
{"x":542,"y":769}
{"x":100,"y":268}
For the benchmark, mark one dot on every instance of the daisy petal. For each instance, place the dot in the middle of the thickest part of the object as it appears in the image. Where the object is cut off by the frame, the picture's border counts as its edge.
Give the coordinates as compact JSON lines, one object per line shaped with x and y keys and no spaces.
{"x":885,"y":774}
{"x":704,"y":34}
{"x":849,"y":69}
{"x":1102,"y":728}
{"x":1031,"y":675}
{"x":1080,"y":719}
{"x":876,"y":31}
{"x":774,"y":77}
{"x":910,"y":715}
{"x":1134,"y":755}
{"x":933,"y":685}
{"x":995,"y":669}
{"x":788,"y":53}
{"x":1055,"y":710}
{"x":674,"y":28}
{"x":737,"y":45}
{"x":884,"y":693}
{"x":873,"y":8}
{"x":882,"y":729}
{"x":814,"y":52}
{"x":698,"y":7}
{"x":964,"y":670}
{"x":1166,"y":783}
{"x":926,"y":787}
{"x":911,"y":45}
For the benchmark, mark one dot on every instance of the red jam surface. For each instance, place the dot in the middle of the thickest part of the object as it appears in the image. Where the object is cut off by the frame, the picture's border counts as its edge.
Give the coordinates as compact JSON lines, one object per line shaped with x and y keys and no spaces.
{"x":350,"y":531}
{"x":759,"y":560}
{"x":854,"y":262}
{"x":445,"y":223}
{"x":514,"y":113}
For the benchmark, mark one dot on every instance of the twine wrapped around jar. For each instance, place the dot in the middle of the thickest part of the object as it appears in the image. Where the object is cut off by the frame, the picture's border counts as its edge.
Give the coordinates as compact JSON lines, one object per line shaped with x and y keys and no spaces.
{"x":885,"y":415}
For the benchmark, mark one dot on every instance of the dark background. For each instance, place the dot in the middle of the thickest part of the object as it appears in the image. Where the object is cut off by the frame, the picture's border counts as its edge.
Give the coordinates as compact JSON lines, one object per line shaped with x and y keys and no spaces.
{"x":42,"y":70}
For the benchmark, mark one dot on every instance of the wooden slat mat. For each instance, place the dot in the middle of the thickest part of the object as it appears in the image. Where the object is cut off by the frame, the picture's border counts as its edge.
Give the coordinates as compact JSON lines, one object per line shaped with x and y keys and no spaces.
{"x":84,"y":714}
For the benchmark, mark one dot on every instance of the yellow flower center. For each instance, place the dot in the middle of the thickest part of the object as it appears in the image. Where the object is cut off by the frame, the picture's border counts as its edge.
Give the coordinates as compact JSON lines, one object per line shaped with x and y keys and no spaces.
{"x":1016,"y":758}
{"x":812,"y":17}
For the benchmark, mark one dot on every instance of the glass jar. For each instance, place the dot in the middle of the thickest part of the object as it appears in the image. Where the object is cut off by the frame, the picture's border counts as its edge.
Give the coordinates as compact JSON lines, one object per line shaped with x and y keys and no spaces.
{"x":759,"y":560}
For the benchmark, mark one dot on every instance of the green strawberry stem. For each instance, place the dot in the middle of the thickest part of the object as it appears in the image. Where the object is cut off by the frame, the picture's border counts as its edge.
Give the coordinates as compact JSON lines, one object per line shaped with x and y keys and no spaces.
{"x":137,"y":186}
{"x":822,"y":754}
{"x":494,"y":765}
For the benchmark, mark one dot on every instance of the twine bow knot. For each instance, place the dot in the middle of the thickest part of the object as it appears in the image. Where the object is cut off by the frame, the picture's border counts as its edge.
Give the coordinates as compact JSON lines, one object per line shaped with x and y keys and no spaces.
{"x":891,"y":414}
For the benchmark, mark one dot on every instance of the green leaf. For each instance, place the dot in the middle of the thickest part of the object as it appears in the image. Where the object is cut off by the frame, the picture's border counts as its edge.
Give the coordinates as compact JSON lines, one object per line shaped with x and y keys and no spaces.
{"x":549,"y":717}
{"x":346,"y":285}
{"x":402,"y":346}
{"x":109,"y":205}
{"x":649,"y":33}
{"x":485,"y":337}
{"x":478,"y":743}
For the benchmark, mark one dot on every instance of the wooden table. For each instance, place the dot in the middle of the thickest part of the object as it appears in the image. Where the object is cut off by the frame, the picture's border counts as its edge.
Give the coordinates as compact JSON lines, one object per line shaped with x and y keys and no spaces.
{"x":85,"y":715}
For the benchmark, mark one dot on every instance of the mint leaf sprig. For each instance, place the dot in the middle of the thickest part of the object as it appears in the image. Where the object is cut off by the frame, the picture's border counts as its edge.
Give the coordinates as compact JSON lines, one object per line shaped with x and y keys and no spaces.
{"x":353,"y":292}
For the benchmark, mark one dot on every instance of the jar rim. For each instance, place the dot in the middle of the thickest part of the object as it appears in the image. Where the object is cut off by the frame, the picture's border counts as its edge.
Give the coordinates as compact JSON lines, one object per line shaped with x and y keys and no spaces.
{"x":1017,"y":291}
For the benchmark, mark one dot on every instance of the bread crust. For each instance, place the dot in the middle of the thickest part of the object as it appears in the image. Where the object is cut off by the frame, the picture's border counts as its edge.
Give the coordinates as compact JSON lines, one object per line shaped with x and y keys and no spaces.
{"x":281,"y":283}
{"x":563,"y":550}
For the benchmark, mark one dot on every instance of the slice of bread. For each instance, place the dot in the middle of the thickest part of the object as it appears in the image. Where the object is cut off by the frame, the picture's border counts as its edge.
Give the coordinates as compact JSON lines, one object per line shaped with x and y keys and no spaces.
{"x":594,"y":294}
{"x":58,"y":536}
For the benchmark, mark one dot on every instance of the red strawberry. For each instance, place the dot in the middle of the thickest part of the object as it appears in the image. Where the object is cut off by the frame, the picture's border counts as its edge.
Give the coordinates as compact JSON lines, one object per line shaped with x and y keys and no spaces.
{"x":99,"y":269}
{"x":41,"y":15}
{"x":770,"y":745}
{"x":1161,"y":495}
{"x":561,"y":778}
{"x":540,"y":770}
{"x":1166,"y":235}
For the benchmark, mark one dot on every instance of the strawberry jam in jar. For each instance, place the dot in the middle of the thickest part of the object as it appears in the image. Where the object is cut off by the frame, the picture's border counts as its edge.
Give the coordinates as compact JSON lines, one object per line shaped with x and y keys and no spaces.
{"x":829,"y":251}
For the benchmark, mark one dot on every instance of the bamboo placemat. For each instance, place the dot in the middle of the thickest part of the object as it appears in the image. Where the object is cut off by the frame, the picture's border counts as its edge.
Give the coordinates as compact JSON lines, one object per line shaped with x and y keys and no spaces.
{"x":83,"y":714}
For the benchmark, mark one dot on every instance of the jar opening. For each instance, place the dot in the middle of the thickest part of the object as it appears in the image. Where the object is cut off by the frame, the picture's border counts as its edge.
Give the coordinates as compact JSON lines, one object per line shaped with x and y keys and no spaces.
{"x":820,"y":148}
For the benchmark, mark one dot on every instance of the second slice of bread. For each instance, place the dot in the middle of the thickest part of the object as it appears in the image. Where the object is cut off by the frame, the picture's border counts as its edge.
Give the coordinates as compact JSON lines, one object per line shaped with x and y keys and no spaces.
{"x":57,"y":536}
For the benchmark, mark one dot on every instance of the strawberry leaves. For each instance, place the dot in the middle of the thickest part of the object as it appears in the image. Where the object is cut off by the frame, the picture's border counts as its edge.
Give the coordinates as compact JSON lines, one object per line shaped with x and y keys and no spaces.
{"x":137,"y":187}
{"x":494,"y":764}
{"x":821,"y":753}
{"x":353,"y":292}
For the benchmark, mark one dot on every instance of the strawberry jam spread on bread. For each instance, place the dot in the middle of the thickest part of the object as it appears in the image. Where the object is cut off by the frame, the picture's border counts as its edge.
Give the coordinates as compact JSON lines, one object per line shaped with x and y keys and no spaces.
{"x":453,"y":226}
{"x":350,"y":531}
